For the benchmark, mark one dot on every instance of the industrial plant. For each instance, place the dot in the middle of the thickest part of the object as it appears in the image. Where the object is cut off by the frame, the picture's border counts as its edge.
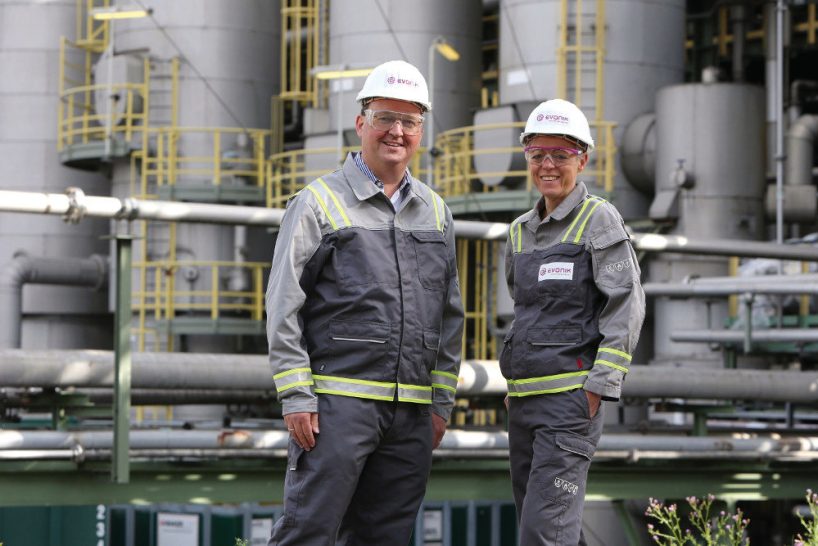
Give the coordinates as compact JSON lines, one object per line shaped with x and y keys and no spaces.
{"x":149,"y":149}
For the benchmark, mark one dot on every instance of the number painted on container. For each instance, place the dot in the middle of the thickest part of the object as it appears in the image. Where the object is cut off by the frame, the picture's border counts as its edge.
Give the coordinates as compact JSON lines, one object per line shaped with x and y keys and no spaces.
{"x":101,"y":525}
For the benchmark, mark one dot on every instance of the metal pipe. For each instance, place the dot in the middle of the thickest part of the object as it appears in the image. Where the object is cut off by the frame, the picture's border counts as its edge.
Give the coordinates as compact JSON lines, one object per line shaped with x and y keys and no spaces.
{"x":670,"y":381}
{"x":456,"y":444}
{"x":780,"y":10}
{"x":768,"y":280}
{"x":79,"y":205}
{"x":801,"y":139}
{"x":195,"y":373}
{"x":737,"y":18}
{"x":89,"y":272}
{"x":120,"y":465}
{"x":774,"y":335}
{"x":701,"y":289}
{"x":189,"y":372}
{"x":650,"y":242}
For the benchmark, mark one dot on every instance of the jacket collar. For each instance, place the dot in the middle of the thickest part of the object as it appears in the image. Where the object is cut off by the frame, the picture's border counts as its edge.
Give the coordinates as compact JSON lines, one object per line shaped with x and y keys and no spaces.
{"x":577,"y":196}
{"x":364,"y":188}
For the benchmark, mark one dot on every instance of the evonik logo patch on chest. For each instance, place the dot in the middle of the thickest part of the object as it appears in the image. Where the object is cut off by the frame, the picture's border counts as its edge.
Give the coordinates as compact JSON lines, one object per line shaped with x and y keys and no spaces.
{"x":559,"y":271}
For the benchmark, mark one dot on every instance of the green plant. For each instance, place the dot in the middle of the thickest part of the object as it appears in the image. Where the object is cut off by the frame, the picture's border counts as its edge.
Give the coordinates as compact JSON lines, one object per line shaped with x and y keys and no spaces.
{"x":723,"y":529}
{"x":810,"y":524}
{"x":239,"y":542}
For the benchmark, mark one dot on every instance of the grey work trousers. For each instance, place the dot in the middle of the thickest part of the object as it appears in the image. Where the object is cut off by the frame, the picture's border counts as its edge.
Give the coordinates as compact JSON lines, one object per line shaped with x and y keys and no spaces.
{"x":364,"y":480}
{"x":551,"y":441}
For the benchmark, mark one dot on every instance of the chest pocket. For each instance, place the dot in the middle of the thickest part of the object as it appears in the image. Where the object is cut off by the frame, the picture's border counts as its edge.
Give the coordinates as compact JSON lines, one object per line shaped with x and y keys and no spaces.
{"x":364,"y":257}
{"x":432,"y":262}
{"x":560,"y":271}
{"x":547,"y":272}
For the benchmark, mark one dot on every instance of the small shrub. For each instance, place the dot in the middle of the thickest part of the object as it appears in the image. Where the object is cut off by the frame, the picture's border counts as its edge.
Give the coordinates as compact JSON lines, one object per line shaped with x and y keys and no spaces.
{"x":239,"y":542}
{"x":723,"y":529}
{"x":810,"y":524}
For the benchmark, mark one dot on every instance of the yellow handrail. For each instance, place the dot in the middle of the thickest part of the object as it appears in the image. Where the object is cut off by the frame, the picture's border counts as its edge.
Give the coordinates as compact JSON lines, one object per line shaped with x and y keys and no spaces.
{"x":299,"y":57}
{"x":91,"y":34}
{"x":158,"y":296}
{"x":166,"y":162}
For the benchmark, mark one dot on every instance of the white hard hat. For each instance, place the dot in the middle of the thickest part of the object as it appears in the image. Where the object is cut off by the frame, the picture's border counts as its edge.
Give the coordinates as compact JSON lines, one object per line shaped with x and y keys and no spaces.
{"x":396,"y":80}
{"x":558,"y":117}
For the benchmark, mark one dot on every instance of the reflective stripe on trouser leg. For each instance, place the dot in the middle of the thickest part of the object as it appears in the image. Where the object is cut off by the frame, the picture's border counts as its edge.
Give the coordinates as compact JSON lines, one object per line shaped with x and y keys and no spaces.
{"x":318,"y":492}
{"x":551,"y":441}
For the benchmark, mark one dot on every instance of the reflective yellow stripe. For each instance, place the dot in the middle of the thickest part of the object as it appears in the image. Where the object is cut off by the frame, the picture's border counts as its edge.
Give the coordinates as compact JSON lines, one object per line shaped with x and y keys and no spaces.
{"x":444,"y":387}
{"x":616,"y":352}
{"x":415,"y":387}
{"x":546,"y":391}
{"x":546,"y":378}
{"x":548,"y":384}
{"x":354,"y":381}
{"x":296,"y":384}
{"x":516,"y":245}
{"x":610,"y":364}
{"x":290,"y":372}
{"x":446,"y":381}
{"x":587,"y":217}
{"x":437,"y":213}
{"x":356,"y":388}
{"x":337,"y":203}
{"x":571,"y":227}
{"x":445,"y":374}
{"x":323,"y":206}
{"x":406,"y":393}
{"x":355,"y":394}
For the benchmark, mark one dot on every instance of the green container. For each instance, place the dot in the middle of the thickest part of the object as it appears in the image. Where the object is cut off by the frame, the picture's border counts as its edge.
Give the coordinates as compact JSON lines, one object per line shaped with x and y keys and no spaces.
{"x":54,"y":526}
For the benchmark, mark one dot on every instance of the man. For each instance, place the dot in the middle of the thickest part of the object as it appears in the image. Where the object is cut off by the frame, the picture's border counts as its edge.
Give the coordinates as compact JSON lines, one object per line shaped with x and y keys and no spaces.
{"x":364,"y":322}
{"x":578,"y":310}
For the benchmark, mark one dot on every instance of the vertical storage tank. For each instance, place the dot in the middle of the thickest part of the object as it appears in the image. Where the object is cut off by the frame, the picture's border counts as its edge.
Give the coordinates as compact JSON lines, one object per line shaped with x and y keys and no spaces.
{"x":710,"y":161}
{"x":55,"y":317}
{"x":228,"y":73}
{"x":636,"y":64}
{"x":371,"y":32}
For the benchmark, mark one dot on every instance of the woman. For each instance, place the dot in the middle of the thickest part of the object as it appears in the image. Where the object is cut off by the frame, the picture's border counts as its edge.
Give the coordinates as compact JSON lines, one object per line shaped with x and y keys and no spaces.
{"x":578,"y":309}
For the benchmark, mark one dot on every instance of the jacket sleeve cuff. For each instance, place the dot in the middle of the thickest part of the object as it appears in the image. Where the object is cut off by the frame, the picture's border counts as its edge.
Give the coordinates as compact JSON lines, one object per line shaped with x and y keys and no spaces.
{"x":609,"y":392}
{"x":299,"y":404}
{"x":445,"y":411}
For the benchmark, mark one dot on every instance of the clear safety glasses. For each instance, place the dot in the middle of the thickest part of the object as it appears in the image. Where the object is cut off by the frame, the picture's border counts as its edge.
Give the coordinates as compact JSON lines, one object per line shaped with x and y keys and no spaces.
{"x":384,"y":120}
{"x":536,"y":155}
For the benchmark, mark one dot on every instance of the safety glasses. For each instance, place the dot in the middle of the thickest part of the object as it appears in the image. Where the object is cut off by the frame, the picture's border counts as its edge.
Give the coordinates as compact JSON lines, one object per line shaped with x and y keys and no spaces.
{"x":536,"y":155}
{"x":384,"y":120}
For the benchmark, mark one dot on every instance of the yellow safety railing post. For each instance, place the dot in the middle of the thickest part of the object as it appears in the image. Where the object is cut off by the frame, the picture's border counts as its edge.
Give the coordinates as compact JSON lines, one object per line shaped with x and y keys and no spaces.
{"x":258,"y":157}
{"x":258,"y":292}
{"x":214,"y":292}
{"x":217,"y":157}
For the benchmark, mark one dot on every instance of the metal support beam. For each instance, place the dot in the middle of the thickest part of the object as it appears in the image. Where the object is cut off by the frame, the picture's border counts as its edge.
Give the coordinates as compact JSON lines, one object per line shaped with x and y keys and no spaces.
{"x":120,"y":463}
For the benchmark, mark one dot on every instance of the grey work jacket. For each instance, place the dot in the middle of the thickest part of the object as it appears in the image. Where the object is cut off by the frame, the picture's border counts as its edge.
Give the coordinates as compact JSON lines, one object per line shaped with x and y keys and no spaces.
{"x":578,"y":301}
{"x":363,"y":301}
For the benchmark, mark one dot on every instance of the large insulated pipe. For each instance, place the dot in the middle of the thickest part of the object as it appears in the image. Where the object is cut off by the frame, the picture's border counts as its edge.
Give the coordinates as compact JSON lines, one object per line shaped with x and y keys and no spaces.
{"x":801,"y":138}
{"x":91,"y":272}
{"x":699,"y":289}
{"x":188,"y":371}
{"x":74,"y":207}
{"x":770,"y":335}
{"x":456,"y":443}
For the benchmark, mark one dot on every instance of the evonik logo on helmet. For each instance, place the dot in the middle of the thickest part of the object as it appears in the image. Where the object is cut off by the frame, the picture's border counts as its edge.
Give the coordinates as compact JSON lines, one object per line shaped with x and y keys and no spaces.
{"x":392,"y":80}
{"x":554,"y":118}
